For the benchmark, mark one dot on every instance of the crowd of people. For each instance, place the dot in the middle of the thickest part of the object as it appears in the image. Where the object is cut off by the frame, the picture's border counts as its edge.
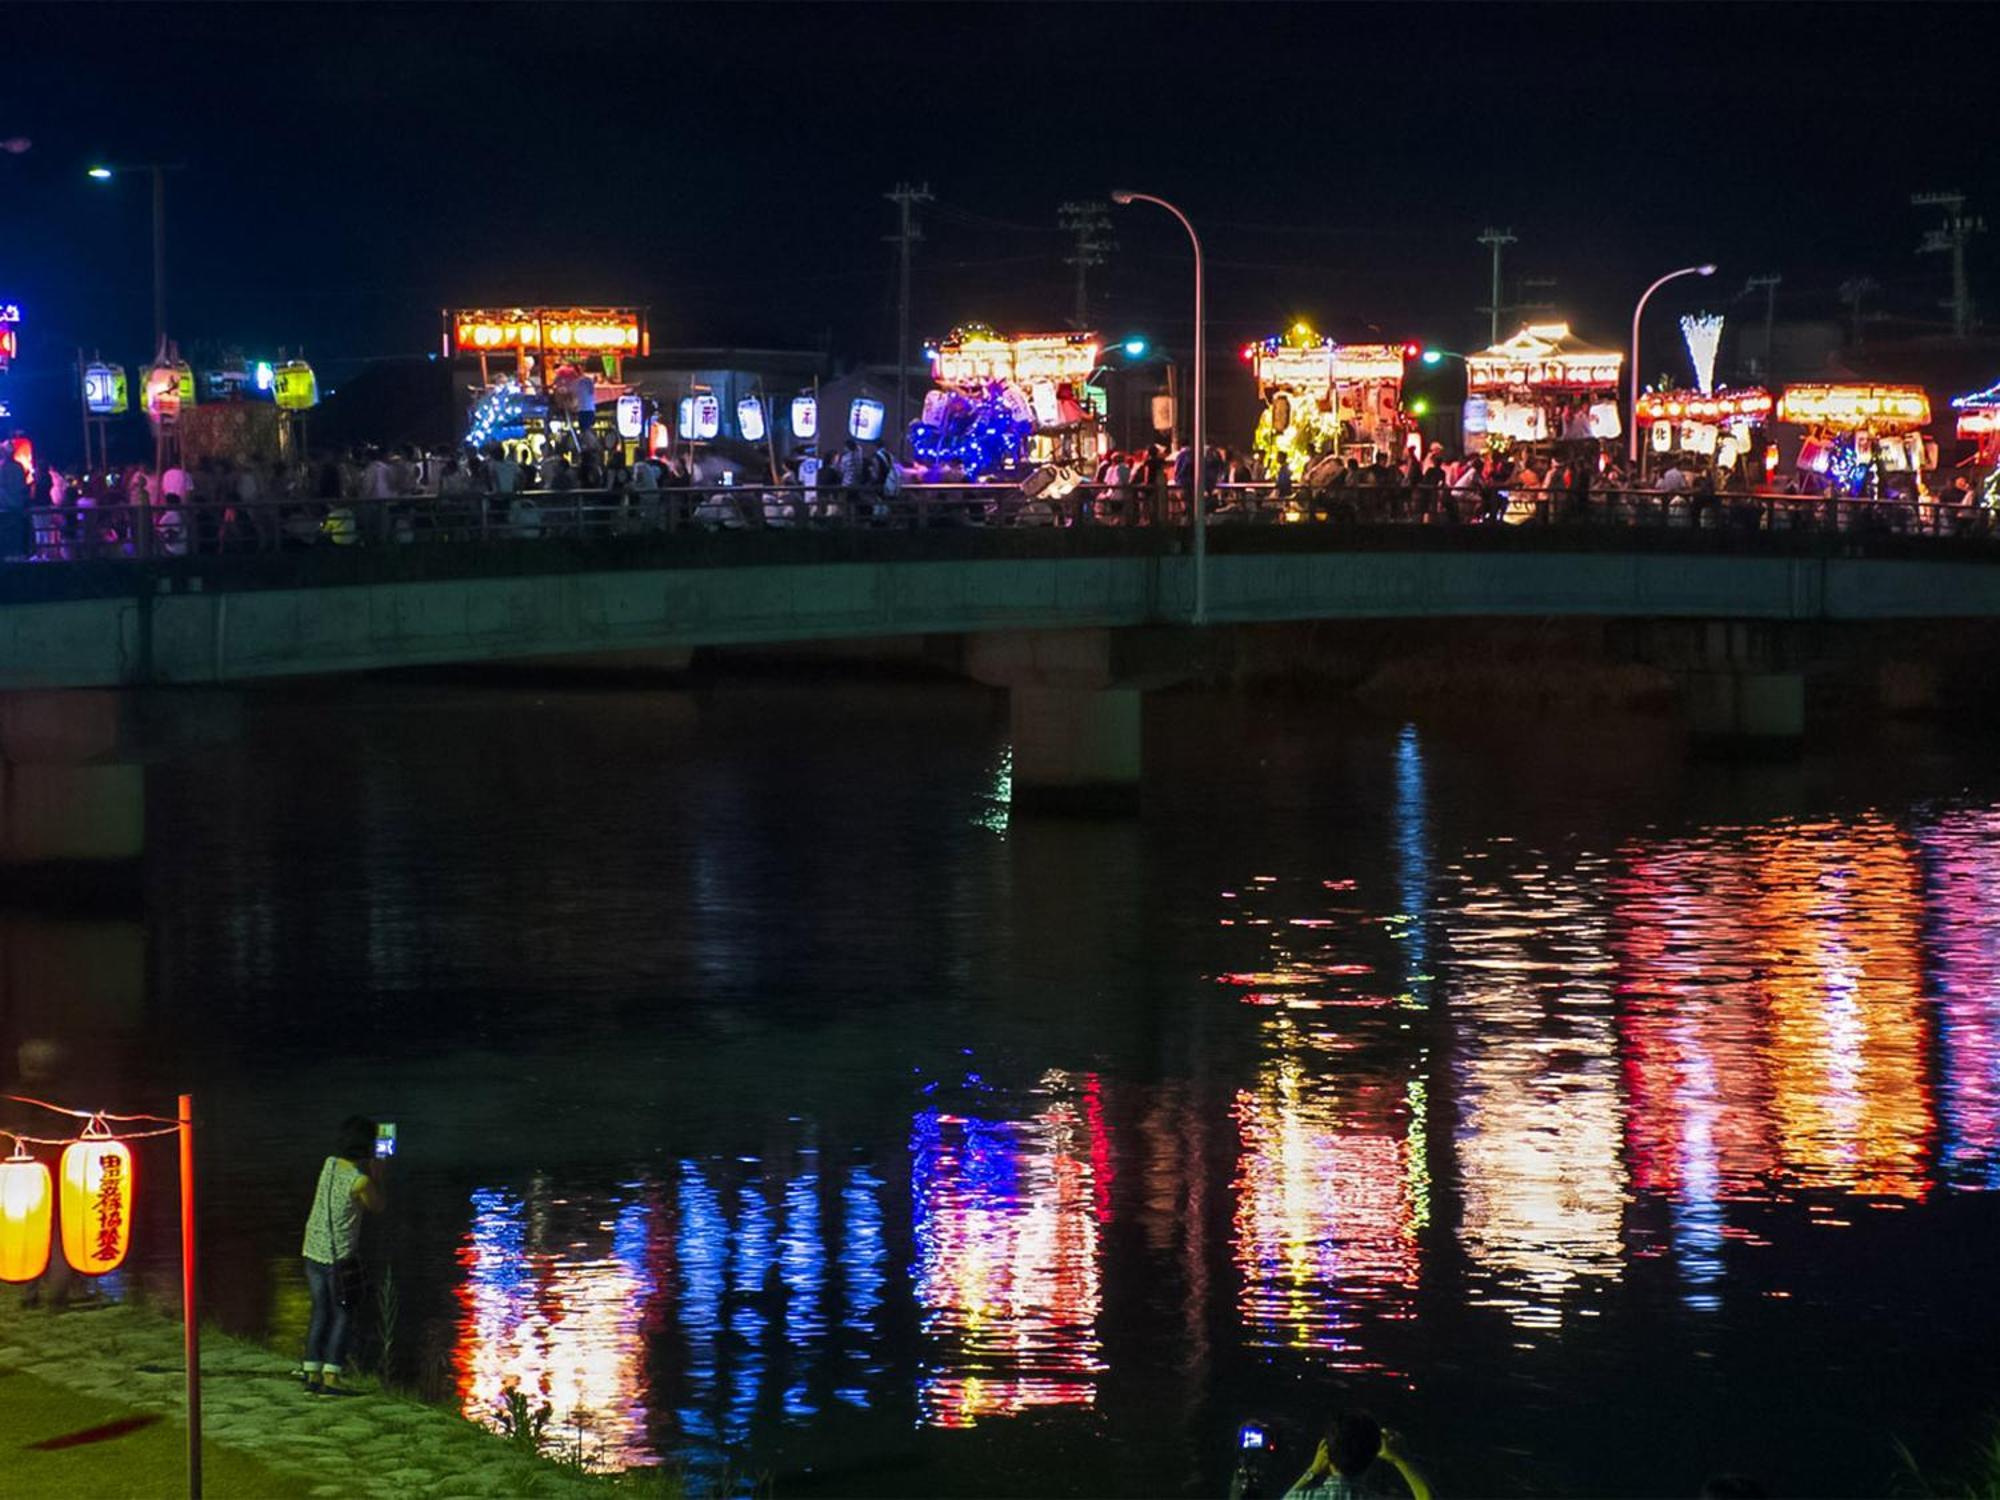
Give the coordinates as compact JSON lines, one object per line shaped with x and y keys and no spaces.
{"x":519,"y":489}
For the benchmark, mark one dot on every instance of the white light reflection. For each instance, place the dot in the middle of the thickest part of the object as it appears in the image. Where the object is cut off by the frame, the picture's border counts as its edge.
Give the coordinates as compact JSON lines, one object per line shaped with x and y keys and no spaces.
{"x":1537,"y":1081}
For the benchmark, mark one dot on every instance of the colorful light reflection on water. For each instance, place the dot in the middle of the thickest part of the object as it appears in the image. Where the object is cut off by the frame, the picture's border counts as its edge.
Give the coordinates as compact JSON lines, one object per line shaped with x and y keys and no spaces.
{"x":1007,"y":1273}
{"x":1503,"y":1073}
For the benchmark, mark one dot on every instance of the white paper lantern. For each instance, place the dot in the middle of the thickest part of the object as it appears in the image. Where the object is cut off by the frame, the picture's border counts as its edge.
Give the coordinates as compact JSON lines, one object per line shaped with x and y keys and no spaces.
{"x":631,"y":416}
{"x":805,"y":417}
{"x":1663,"y":437}
{"x":865,"y":418}
{"x":686,"y":424}
{"x":750,"y":419}
{"x":707,"y":418}
{"x":1605,"y":422}
{"x":1048,"y":411}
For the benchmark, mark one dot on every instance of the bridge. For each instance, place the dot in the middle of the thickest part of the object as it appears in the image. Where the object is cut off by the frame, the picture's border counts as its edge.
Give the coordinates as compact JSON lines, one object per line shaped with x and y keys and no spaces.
{"x":1073,"y":606}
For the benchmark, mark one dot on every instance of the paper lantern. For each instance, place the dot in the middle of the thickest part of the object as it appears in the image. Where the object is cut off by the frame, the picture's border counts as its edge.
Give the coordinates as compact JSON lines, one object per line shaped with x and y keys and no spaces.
{"x":294,"y":386}
{"x":865,"y":418}
{"x":102,"y":392}
{"x":1163,"y":414}
{"x":1663,"y":437}
{"x":631,"y":416}
{"x":1605,"y":421}
{"x":686,"y":414}
{"x":96,"y":1204}
{"x":805,"y":417}
{"x":750,"y":419}
{"x":707,"y":417}
{"x":1047,"y":412}
{"x":25,"y":1197}
{"x":160,"y":390}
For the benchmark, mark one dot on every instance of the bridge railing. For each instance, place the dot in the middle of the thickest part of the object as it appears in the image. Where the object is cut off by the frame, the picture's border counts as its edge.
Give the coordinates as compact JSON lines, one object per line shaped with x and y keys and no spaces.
{"x":187,"y":528}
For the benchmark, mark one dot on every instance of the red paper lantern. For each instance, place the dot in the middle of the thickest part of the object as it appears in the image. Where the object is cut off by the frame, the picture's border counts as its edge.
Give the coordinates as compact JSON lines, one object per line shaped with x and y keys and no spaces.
{"x":96,"y":1203}
{"x":24,"y":1217}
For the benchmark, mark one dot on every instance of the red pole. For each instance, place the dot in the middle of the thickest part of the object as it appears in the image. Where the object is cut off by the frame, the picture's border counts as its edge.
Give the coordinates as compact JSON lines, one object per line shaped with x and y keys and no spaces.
{"x":190,"y":1311}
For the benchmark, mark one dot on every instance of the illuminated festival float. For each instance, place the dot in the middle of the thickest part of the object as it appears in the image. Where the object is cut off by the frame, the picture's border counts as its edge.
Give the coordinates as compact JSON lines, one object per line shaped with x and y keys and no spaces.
{"x":1003,"y":403}
{"x":1705,"y":430}
{"x":545,"y":372}
{"x":1857,"y":436}
{"x":1540,"y":388}
{"x":1979,"y":423}
{"x":1326,"y":402}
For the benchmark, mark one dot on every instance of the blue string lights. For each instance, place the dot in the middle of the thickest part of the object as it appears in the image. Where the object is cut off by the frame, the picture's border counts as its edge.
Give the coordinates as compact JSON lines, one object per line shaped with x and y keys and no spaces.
{"x":502,"y":413}
{"x":980,"y":434}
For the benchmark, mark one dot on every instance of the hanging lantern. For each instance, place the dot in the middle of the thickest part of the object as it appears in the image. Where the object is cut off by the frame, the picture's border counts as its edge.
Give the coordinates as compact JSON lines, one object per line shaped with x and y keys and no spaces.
{"x":631,"y":416}
{"x":864,"y":419}
{"x":294,"y":387}
{"x":160,"y":389}
{"x":686,"y":427}
{"x":750,"y":419}
{"x":805,"y":417}
{"x":96,"y":1202}
{"x":24,"y":1217}
{"x":1663,"y":437}
{"x":184,"y":380}
{"x":707,"y":417}
{"x":100,"y":391}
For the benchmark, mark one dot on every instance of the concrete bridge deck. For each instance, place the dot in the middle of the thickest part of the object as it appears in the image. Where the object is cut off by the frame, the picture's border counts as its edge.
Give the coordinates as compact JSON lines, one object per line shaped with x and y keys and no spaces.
{"x":219,"y":619}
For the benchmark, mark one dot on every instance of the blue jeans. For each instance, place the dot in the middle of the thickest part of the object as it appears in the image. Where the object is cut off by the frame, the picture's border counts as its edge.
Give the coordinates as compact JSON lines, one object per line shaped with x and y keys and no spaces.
{"x":326,"y":1335}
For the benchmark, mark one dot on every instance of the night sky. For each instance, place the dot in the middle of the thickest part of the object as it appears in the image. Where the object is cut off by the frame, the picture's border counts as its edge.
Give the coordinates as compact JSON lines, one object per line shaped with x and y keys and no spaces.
{"x":352,"y":170}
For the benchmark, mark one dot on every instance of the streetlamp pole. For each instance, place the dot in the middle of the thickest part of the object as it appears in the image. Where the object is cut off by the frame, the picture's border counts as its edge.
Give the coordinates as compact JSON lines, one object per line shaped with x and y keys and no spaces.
{"x":1632,"y":417}
{"x":159,"y":170}
{"x":1121,"y":196}
{"x":159,"y":254}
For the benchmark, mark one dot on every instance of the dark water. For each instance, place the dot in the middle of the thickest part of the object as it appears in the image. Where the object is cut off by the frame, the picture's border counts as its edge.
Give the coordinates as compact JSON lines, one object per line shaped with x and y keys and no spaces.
{"x":772,"y":1098}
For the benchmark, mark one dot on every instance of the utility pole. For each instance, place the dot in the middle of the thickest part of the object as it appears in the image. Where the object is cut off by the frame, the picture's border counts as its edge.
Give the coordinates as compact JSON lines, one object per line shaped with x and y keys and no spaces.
{"x":1951,"y":238}
{"x":1087,"y":221}
{"x":1496,"y":238}
{"x":905,"y":198}
{"x":1768,"y":285}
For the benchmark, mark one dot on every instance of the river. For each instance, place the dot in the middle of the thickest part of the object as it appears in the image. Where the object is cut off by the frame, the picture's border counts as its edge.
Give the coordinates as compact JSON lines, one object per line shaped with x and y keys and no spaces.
{"x":777,"y":1103}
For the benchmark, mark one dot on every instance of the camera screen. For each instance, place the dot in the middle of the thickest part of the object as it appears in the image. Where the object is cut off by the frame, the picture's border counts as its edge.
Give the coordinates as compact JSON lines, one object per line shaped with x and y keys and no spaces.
{"x":385,"y":1140}
{"x":1252,"y":1436}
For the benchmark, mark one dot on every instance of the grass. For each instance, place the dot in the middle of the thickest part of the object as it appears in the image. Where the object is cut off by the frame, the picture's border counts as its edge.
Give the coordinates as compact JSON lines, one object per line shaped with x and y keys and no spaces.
{"x":113,"y":1452}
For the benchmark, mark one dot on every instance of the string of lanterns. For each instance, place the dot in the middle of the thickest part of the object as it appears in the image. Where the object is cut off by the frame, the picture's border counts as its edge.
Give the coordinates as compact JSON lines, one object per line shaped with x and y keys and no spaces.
{"x":92,"y":1213}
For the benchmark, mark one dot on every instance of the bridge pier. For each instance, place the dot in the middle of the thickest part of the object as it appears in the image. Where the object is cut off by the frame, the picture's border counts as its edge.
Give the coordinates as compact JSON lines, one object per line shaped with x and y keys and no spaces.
{"x":73,"y":779}
{"x":1075,"y":701}
{"x":1744,"y":694}
{"x":1076,"y":750}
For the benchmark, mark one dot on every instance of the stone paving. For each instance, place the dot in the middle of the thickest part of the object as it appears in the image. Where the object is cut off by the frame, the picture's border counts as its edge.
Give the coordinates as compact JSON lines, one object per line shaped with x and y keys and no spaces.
{"x":365,"y":1445}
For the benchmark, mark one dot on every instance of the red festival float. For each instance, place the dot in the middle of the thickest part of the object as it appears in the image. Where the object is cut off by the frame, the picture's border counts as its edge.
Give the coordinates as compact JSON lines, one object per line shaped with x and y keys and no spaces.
{"x":1705,"y":430}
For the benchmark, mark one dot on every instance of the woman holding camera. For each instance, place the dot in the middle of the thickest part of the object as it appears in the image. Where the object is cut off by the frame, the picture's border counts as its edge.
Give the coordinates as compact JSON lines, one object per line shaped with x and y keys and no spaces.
{"x":347,"y":1186}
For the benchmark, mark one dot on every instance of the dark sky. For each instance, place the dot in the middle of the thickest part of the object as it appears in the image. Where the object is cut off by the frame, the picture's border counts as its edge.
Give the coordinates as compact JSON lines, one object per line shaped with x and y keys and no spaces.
{"x":352,"y":169}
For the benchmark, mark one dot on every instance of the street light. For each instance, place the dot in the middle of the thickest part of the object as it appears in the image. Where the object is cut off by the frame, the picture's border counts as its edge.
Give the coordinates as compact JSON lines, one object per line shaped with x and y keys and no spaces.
{"x":104,"y":172}
{"x":1124,"y":197}
{"x":1632,"y":420}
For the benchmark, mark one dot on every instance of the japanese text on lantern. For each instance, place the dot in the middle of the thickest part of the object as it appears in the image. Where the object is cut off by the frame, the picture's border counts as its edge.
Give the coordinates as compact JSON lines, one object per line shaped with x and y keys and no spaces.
{"x":109,"y":1210}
